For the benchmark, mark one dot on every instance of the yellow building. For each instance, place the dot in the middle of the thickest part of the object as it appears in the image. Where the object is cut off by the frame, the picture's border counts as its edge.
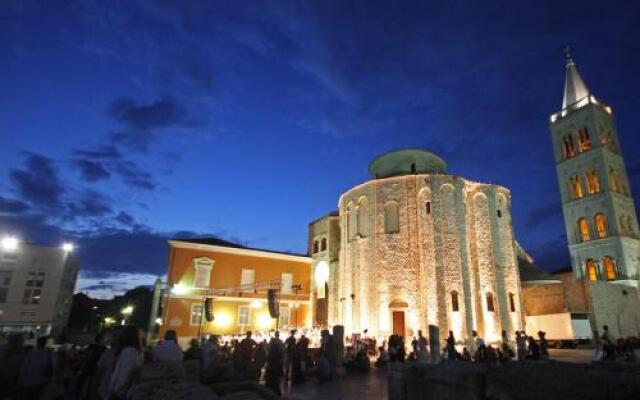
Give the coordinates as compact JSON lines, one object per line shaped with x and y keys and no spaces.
{"x":236,"y":279}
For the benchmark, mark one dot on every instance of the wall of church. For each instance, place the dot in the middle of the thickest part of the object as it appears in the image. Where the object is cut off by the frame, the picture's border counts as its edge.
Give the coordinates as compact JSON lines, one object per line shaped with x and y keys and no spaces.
{"x":616,"y":306}
{"x":450,"y":263}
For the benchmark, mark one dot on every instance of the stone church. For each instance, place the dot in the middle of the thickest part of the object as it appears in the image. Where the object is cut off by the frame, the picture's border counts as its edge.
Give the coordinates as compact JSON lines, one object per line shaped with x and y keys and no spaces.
{"x":416,"y":246}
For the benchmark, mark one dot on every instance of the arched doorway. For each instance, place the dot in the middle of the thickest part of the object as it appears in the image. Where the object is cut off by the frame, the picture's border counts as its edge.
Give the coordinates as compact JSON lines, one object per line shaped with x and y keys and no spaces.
{"x":398,"y":325}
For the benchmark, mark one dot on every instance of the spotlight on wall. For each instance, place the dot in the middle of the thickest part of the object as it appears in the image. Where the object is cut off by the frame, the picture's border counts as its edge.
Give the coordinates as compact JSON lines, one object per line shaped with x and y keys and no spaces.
{"x":9,"y":243}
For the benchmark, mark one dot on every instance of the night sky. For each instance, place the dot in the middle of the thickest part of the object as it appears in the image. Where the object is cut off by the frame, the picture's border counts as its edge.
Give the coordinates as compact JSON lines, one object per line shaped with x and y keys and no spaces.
{"x":124,"y":123}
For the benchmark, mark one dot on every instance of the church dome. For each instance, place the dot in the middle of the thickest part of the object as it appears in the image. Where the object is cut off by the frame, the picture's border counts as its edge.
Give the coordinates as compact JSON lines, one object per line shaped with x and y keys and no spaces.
{"x":405,"y":162}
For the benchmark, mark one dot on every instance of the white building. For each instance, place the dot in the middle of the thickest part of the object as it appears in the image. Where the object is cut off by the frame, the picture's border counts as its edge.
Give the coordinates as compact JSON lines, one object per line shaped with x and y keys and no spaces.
{"x":417,"y":247}
{"x":36,"y":287}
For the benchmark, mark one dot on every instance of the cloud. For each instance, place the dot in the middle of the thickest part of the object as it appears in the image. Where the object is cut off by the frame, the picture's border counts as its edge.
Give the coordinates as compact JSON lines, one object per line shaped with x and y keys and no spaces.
{"x":90,"y":204}
{"x":91,"y":171}
{"x":106,"y":284}
{"x":38,"y":183}
{"x":12,"y":206}
{"x":162,"y":113}
{"x":133,"y":175}
{"x":100,"y":152}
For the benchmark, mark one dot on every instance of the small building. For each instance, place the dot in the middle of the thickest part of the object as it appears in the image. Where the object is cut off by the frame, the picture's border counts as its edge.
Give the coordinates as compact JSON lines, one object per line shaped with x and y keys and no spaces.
{"x":235,"y":279}
{"x":36,"y":287}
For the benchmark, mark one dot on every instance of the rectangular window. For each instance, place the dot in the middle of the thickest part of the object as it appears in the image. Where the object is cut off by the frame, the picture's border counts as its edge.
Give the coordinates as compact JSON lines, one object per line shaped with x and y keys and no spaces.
{"x":35,"y":279}
{"x":196,"y":314}
{"x":248,"y":279}
{"x":284,"y":317}
{"x":5,"y":278}
{"x":31,"y":296}
{"x":427,"y":207}
{"x":243,"y":315}
{"x":202,"y":278}
{"x":3,"y":294}
{"x":287,"y":282}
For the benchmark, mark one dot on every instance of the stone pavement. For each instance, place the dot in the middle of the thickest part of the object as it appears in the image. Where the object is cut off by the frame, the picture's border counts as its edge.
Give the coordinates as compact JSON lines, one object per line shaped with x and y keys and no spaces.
{"x":352,"y":386}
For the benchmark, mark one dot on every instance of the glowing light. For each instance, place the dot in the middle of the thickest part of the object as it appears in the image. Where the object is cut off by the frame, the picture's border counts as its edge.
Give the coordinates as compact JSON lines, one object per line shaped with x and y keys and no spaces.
{"x":256,"y":304}
{"x":9,"y":243}
{"x":158,"y":321}
{"x":222,"y":319}
{"x":128,"y":310}
{"x":264,"y":320}
{"x":322,"y":273}
{"x":109,"y":321}
{"x":179,"y":289}
{"x":68,"y":247}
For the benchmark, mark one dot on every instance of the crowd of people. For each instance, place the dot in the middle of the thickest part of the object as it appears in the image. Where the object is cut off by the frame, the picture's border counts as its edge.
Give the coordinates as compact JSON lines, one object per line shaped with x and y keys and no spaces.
{"x":107,"y":368}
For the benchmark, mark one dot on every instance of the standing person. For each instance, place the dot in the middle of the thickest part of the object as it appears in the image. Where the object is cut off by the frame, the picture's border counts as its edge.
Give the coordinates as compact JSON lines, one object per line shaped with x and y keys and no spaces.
{"x":544,"y":345}
{"x":12,"y":356}
{"x":209,"y":352}
{"x":194,"y":352}
{"x":273,"y":373}
{"x":290,"y":348}
{"x":169,"y":350}
{"x":128,"y":360}
{"x":597,"y":345}
{"x":534,"y":349}
{"x":480,"y":345}
{"x":90,"y":364}
{"x":451,"y":347}
{"x":36,"y":370}
{"x":260,"y":359}
{"x":243,"y":355}
{"x":607,"y":344}
{"x":521,"y":345}
{"x":303,"y":349}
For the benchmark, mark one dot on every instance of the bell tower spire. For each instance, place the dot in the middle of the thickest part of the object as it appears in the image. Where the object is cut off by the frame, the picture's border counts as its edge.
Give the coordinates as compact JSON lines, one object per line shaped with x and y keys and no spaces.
{"x":574,"y":87}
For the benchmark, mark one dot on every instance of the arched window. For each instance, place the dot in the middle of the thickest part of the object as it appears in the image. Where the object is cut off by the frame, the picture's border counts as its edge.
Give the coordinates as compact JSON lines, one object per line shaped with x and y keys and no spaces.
{"x":609,"y":268}
{"x":454,"y":301}
{"x":362,"y":218}
{"x":583,"y":228}
{"x":490,"y":306}
{"x":323,"y":244}
{"x":576,"y":187}
{"x":584,"y":139}
{"x":512,"y":302}
{"x":593,"y":182}
{"x":315,"y":247}
{"x":569,"y":148}
{"x":427,"y":207}
{"x":592,"y":270}
{"x":601,"y":225}
{"x":391,"y":223}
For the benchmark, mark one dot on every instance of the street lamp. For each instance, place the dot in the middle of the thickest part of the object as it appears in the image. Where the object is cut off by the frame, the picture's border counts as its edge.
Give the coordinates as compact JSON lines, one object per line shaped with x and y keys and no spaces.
{"x":9,"y":243}
{"x":126,"y":312}
{"x":68,"y":247}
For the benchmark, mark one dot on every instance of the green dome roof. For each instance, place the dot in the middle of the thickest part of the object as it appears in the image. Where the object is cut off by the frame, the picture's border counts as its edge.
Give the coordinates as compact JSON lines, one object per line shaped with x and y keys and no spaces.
{"x":406,"y":162}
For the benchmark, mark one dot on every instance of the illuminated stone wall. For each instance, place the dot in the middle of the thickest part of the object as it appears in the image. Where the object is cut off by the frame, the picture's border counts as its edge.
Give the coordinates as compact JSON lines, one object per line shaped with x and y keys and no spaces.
{"x":462,"y":241}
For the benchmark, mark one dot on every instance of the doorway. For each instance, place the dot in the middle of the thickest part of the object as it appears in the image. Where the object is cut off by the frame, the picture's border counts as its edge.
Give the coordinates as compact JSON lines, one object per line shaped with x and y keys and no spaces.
{"x":398,"y":323}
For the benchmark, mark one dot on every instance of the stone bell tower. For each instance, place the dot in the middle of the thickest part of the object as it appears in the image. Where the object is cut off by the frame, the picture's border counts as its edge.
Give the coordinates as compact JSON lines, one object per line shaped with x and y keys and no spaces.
{"x":599,"y":212}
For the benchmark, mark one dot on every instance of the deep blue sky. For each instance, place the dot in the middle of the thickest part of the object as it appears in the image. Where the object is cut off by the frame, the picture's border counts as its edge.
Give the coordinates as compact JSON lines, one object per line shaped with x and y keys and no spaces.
{"x":125,"y":123}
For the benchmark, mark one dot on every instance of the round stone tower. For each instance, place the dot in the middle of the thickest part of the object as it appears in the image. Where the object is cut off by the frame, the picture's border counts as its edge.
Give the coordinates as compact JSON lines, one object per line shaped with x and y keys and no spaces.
{"x":422,"y":247}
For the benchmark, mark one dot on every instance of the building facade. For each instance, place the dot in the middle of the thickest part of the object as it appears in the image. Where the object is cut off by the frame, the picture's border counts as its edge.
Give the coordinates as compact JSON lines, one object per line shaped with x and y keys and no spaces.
{"x":599,"y":212}
{"x":36,"y":288}
{"x":419,"y":247}
{"x":236,"y":279}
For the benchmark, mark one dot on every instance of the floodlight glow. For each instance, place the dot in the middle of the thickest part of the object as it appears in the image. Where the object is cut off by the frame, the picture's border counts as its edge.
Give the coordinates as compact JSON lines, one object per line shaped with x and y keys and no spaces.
{"x":68,"y":247}
{"x":127,"y":310}
{"x":158,"y":321}
{"x":322,"y":273}
{"x":256,"y":304}
{"x":9,"y":243}
{"x":179,"y":289}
